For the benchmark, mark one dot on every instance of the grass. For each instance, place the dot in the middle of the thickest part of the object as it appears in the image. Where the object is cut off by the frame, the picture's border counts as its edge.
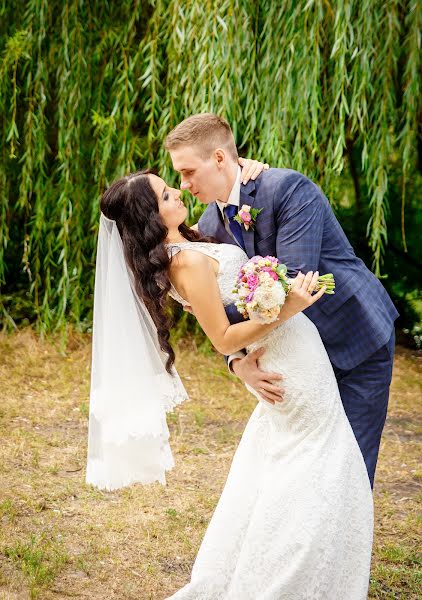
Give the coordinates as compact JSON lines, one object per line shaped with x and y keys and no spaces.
{"x":60,"y":538}
{"x":40,"y":559}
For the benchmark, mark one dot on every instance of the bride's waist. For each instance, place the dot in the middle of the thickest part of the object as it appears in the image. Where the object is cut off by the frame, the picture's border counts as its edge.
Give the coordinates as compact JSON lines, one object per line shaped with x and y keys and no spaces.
{"x":294,"y":341}
{"x":297,"y":326}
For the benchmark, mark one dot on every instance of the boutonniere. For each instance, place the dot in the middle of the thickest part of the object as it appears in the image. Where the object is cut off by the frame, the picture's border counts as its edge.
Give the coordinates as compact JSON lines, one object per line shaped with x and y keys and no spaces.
{"x":247,"y":216}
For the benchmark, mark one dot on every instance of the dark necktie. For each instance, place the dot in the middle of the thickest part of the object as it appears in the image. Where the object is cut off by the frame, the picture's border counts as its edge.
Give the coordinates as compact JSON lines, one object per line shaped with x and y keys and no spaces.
{"x":231,"y":211}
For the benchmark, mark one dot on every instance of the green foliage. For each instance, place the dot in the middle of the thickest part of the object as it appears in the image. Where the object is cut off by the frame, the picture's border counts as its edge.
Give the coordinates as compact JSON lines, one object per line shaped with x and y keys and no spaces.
{"x":88,"y":92}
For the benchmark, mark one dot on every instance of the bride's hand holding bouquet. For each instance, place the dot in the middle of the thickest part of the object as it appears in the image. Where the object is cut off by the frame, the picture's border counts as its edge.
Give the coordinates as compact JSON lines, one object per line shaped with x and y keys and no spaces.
{"x":263,"y":288}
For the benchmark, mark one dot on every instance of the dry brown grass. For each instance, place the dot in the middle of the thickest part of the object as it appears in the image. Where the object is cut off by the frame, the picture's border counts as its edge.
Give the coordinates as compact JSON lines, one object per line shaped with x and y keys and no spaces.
{"x":60,"y":538}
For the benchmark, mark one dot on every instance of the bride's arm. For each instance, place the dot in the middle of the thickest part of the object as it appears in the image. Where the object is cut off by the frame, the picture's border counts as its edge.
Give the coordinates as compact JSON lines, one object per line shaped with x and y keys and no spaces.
{"x":193,"y":276}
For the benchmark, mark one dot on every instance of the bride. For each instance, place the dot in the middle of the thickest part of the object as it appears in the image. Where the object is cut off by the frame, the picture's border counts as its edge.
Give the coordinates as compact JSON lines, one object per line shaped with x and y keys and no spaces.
{"x":295,"y":518}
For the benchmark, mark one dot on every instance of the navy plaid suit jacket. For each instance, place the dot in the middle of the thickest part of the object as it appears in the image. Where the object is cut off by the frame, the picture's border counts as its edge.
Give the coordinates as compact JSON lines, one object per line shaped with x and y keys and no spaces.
{"x":298,"y":226}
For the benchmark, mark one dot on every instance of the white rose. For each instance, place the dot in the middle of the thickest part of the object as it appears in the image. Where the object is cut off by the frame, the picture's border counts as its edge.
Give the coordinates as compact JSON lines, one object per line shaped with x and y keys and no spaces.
{"x":269,"y":297}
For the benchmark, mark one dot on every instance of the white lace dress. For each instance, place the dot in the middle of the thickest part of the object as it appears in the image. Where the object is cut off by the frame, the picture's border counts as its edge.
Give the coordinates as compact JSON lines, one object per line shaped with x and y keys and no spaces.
{"x":295,"y":518}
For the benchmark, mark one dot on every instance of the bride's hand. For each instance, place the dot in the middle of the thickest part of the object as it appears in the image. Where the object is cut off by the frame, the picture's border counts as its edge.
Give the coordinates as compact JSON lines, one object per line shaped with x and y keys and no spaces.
{"x":301,"y":295}
{"x":251,"y":168}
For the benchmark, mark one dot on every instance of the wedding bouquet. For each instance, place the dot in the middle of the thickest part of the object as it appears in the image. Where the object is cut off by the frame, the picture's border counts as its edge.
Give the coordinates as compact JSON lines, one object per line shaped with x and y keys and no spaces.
{"x":262,"y":286}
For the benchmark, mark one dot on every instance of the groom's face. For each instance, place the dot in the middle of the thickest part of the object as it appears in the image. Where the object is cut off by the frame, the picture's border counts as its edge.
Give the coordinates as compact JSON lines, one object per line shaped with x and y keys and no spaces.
{"x":204,"y":178}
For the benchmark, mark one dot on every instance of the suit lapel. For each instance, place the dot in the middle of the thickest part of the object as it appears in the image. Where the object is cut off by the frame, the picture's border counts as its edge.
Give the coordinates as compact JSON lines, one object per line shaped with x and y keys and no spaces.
{"x":218,"y":230}
{"x":247,"y":196}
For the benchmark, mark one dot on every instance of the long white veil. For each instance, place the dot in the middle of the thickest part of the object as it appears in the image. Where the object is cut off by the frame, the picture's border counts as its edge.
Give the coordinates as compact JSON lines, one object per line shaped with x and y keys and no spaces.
{"x":131,"y":391}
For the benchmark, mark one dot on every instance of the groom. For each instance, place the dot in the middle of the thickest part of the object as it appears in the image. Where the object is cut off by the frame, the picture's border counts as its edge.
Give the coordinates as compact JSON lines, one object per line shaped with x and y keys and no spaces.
{"x":296,"y":224}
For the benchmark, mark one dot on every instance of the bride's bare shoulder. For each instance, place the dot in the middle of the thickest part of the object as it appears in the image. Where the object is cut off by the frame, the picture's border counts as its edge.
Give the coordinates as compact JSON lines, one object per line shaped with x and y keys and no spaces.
{"x":188,"y":259}
{"x":190,"y":267}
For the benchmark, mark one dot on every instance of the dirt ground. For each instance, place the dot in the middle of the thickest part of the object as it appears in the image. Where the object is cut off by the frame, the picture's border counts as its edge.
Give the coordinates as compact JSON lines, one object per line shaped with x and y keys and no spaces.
{"x":60,"y":538}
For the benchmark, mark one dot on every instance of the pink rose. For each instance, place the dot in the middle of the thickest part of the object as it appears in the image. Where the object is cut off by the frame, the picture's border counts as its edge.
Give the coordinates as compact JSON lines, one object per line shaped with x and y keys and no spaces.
{"x":271,"y":273}
{"x":245,"y":216}
{"x":253,"y":282}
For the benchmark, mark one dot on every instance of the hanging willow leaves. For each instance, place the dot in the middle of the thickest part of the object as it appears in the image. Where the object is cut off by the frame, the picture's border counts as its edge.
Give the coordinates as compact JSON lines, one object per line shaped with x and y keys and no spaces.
{"x":411,"y":110}
{"x":88,"y":92}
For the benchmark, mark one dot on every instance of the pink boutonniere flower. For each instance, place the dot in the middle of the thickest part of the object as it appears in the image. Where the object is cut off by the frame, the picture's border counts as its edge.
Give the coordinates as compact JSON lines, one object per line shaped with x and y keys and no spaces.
{"x":247,"y":216}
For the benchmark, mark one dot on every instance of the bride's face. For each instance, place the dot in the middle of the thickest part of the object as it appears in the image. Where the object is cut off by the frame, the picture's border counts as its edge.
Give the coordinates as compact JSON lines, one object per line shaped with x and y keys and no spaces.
{"x":170,"y":206}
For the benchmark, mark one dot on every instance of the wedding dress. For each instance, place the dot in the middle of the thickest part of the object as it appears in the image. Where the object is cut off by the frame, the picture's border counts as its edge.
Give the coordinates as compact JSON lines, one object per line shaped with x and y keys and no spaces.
{"x":295,"y":519}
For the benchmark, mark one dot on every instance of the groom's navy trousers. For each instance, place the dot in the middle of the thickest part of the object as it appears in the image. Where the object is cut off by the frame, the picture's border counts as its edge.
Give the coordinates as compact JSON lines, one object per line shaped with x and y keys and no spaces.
{"x":364,"y":392}
{"x":296,"y":224}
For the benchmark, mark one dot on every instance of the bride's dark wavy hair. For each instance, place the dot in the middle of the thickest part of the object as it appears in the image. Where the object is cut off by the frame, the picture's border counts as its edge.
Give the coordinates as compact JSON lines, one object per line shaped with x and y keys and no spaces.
{"x":133,"y":204}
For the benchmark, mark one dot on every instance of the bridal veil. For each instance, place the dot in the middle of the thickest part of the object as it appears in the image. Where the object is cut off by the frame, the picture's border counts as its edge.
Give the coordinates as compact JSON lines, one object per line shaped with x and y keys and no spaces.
{"x":131,"y":391}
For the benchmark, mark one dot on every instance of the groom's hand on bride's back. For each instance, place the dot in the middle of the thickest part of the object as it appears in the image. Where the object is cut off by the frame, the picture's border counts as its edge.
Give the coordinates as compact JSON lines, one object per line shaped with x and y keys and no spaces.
{"x":267,"y":384}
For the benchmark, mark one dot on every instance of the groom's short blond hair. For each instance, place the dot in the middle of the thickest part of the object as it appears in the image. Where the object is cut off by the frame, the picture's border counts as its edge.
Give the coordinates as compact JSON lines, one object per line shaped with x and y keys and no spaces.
{"x":207,"y":132}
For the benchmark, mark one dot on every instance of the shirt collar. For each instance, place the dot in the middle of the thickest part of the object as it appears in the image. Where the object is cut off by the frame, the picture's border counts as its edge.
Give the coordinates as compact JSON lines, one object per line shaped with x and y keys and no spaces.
{"x":234,"y":196}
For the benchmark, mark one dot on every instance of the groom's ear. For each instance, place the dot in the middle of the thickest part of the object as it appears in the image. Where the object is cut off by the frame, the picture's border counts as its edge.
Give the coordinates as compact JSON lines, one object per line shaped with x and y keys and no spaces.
{"x":220,"y":157}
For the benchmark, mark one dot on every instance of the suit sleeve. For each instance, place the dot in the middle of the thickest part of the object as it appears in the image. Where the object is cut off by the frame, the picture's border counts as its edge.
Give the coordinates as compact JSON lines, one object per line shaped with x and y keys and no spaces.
{"x":234,"y":316}
{"x":299,"y":210}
